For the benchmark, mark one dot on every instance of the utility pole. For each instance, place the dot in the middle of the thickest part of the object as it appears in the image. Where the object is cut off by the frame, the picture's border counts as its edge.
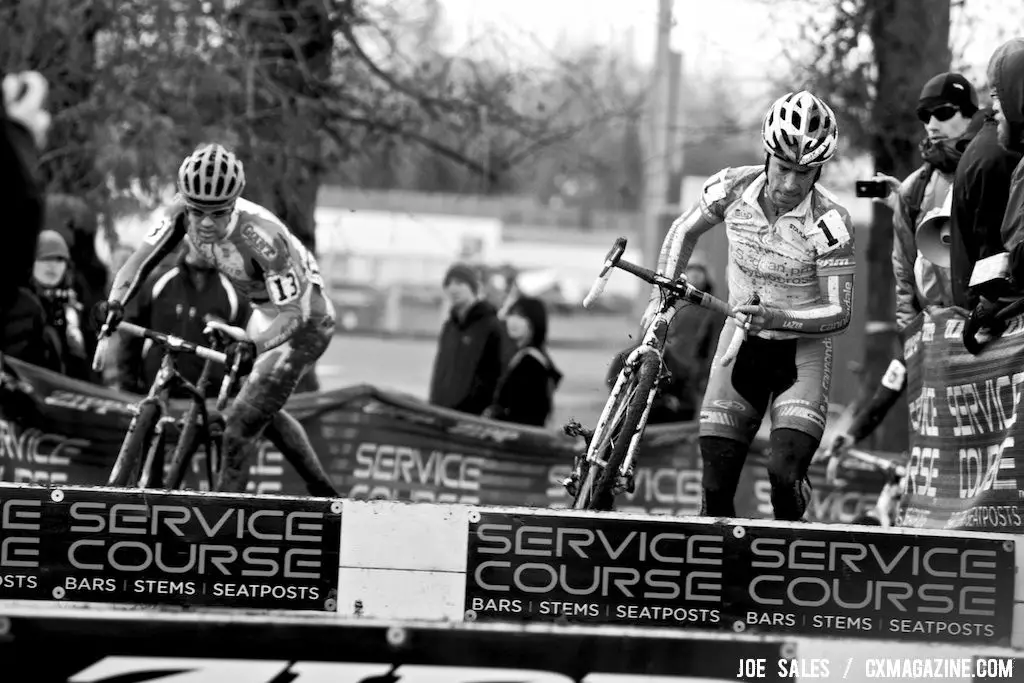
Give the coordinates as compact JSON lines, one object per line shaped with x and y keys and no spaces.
{"x":657,"y":148}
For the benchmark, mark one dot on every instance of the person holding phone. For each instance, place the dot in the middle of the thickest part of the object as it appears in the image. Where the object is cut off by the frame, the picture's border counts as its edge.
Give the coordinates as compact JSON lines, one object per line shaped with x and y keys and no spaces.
{"x":947,"y":109}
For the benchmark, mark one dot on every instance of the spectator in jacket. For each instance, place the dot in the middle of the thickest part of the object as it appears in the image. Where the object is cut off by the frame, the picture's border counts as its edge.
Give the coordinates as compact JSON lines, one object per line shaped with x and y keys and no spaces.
{"x":468,"y":360}
{"x":177,"y":302}
{"x":946,"y":106}
{"x":525,"y":393}
{"x":24,"y":122}
{"x":980,"y":194}
{"x":53,"y":282}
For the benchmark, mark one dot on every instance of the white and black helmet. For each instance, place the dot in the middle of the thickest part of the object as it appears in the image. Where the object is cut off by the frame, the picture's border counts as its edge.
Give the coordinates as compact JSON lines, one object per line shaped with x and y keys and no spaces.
{"x":211,"y":176}
{"x":801,"y":129}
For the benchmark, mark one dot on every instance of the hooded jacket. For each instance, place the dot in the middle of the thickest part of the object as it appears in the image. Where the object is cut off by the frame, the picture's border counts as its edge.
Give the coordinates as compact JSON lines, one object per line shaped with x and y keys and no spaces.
{"x":1008,"y":72}
{"x":525,"y":392}
{"x":468,"y":360}
{"x":980,"y":192}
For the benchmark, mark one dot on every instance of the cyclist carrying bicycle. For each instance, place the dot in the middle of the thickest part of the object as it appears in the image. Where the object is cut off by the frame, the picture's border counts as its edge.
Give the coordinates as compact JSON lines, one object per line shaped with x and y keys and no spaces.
{"x":791,"y":243}
{"x":292,"y":321}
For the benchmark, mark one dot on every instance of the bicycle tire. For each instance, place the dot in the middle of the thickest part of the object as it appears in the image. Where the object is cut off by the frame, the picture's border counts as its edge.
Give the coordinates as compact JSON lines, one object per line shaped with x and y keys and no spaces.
{"x":596,"y":491}
{"x":127,"y":467}
{"x":184,"y":450}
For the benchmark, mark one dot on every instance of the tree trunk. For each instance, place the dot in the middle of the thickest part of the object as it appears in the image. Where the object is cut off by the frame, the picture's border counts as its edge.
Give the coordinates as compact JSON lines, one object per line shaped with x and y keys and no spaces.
{"x":290,"y":41}
{"x":911,"y":44}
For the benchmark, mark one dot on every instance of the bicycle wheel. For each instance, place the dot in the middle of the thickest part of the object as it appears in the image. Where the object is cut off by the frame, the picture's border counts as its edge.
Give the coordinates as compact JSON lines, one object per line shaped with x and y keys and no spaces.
{"x":127,"y":467}
{"x":629,"y":416}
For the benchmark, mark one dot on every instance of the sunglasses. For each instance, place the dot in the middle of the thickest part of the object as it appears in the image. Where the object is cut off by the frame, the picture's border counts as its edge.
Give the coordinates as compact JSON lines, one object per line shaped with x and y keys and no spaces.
{"x":215,"y":214}
{"x":943,"y":112}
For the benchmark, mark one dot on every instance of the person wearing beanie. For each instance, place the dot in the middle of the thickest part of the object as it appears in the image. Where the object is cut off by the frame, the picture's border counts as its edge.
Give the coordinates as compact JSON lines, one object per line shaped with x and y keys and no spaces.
{"x":53,"y":284}
{"x":980,"y":193}
{"x":948,"y":111}
{"x":525,"y":393}
{"x":467,"y":364}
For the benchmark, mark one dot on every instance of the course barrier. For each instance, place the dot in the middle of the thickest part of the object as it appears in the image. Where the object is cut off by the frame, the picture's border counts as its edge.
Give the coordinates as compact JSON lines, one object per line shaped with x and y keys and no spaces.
{"x":188,"y":564}
{"x":966,"y":467}
{"x":377,"y":444}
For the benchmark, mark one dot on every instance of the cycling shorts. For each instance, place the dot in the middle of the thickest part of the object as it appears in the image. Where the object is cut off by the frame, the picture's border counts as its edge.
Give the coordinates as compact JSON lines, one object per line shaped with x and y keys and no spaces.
{"x":277,"y":372}
{"x":791,"y":375}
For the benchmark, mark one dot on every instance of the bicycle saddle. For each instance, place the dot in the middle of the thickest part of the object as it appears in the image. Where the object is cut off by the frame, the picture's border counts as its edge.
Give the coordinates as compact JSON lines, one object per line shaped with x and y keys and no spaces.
{"x":222,"y":329}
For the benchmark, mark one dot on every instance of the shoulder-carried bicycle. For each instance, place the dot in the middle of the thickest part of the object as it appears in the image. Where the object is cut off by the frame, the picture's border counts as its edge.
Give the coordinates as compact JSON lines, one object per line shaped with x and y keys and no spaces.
{"x":611,"y":448}
{"x":141,"y":459}
{"x":885,"y":511}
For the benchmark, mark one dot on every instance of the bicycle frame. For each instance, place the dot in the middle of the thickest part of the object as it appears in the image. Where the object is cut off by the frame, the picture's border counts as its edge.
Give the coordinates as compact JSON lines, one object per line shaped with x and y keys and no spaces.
{"x":625,"y":416}
{"x":153,"y":408}
{"x":653,"y":344}
{"x":158,"y":396}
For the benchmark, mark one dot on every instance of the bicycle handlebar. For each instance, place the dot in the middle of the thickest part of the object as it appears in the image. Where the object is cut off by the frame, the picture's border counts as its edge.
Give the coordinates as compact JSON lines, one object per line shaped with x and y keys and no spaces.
{"x":174,"y":343}
{"x":680,"y":288}
{"x":882,"y":464}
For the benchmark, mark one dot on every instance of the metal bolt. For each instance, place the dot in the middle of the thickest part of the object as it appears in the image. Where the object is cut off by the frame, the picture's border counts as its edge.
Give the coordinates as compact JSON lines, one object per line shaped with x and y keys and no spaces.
{"x":397,"y":636}
{"x":336,"y":507}
{"x":474,"y":517}
{"x":739,"y":532}
{"x":58,"y":593}
{"x":56,"y":495}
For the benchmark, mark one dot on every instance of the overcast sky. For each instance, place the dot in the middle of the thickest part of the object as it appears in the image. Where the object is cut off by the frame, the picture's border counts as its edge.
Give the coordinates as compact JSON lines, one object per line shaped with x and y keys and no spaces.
{"x":739,"y":37}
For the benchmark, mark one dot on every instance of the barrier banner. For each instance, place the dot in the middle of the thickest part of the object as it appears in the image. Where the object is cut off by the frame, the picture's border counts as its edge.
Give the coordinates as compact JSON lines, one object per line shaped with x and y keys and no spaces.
{"x":964,"y":470}
{"x":199,"y":550}
{"x":378,"y":444}
{"x":120,"y":649}
{"x":793,"y":580}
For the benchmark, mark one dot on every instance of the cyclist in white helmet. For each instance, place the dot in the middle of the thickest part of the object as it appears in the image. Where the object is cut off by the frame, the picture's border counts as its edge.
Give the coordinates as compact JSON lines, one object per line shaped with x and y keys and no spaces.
{"x":292,"y":321}
{"x":791,"y":244}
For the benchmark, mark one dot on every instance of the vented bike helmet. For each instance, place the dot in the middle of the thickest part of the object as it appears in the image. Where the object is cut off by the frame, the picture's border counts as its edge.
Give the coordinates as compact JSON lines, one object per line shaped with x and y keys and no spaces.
{"x":211,"y":176}
{"x":801,"y":129}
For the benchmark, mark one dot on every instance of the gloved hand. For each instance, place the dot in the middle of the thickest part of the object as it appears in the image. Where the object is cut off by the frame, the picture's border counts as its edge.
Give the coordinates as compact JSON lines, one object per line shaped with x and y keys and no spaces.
{"x":983,"y":317}
{"x":108,"y":311}
{"x":245,"y":353}
{"x":758,"y":317}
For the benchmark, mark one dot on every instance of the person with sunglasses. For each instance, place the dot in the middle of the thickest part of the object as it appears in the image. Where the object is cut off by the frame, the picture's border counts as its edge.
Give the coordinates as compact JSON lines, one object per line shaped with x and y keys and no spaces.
{"x":947,"y":109}
{"x":292,"y":321}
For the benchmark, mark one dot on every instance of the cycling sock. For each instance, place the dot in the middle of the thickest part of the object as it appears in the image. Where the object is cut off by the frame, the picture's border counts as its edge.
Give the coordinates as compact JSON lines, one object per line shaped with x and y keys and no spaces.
{"x":723,"y":462}
{"x":790,"y":458}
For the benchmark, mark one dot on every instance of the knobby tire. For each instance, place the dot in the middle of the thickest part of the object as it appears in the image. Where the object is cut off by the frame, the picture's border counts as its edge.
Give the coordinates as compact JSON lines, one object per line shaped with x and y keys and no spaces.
{"x":128,"y":466}
{"x":596,"y":491}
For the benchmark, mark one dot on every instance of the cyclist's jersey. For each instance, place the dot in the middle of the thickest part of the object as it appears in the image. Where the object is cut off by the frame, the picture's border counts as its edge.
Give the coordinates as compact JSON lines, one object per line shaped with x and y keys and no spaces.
{"x":780,"y":262}
{"x":262,"y":258}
